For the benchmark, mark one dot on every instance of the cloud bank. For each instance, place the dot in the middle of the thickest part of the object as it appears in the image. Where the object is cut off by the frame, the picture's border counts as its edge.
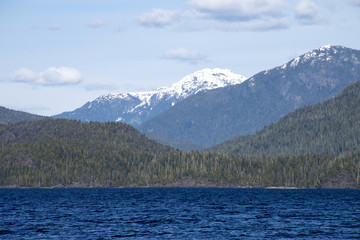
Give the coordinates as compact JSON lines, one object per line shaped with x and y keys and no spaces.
{"x":234,"y":10}
{"x":237,"y":15}
{"x":49,"y":77}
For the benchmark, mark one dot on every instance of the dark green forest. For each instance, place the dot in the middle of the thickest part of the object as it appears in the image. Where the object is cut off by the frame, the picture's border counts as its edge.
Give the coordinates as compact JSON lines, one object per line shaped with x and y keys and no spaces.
{"x":314,"y":147}
{"x":67,"y":153}
{"x":9,"y":115}
{"x":331,"y":127}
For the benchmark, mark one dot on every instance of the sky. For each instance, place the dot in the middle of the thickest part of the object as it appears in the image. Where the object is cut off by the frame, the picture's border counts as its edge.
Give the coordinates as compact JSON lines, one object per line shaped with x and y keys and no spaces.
{"x":56,"y":55}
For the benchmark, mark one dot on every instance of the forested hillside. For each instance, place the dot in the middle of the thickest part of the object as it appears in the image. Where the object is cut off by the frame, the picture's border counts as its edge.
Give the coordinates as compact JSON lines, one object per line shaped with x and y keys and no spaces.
{"x":68,"y":153}
{"x":8,"y":116}
{"x":330,"y":127}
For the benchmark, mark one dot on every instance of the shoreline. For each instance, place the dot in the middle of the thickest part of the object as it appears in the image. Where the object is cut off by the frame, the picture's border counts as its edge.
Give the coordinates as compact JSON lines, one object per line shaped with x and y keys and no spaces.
{"x":174,"y":187}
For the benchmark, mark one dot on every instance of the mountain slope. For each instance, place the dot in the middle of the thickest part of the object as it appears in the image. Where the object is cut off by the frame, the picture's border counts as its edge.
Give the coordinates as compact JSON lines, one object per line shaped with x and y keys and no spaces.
{"x":211,"y":117}
{"x":58,"y":151}
{"x":67,"y":132}
{"x":68,"y":153}
{"x":330,"y":127}
{"x":134,"y":108}
{"x":10,"y":116}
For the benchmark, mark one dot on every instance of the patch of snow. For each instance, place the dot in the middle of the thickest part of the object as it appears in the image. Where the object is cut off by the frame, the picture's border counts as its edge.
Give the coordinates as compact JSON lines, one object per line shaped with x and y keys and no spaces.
{"x":309,"y":56}
{"x":205,"y":79}
{"x":295,"y":62}
{"x":251,"y":82}
{"x":325,"y":48}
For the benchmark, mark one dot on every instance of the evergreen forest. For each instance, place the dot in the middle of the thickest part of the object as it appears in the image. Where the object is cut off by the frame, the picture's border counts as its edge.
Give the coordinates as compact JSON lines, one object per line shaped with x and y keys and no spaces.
{"x":331,"y":127}
{"x":69,"y":153}
{"x":314,"y":147}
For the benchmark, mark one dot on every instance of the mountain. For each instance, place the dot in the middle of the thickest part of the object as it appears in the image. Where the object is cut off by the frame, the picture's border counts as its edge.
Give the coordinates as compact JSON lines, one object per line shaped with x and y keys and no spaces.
{"x":10,"y":116}
{"x":211,"y":117}
{"x":135,"y":108}
{"x":331,"y":127}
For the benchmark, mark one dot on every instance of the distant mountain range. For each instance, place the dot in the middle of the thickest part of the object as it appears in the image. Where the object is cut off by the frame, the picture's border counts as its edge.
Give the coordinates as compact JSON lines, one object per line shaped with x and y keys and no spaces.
{"x":331,"y":127}
{"x":10,"y":116}
{"x":214,"y":105}
{"x":211,"y":117}
{"x":137,"y":107}
{"x":313,"y":146}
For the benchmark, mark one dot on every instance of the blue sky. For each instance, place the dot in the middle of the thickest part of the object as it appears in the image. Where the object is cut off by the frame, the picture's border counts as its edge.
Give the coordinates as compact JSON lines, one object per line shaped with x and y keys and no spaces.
{"x":55,"y":55}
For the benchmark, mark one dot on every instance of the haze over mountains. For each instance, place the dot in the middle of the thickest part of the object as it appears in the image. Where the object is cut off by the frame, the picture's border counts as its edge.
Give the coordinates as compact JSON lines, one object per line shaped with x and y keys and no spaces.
{"x":211,"y":117}
{"x":137,"y":107}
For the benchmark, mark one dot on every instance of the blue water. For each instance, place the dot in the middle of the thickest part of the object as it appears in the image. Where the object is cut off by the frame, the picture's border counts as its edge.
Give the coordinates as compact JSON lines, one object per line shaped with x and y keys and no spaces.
{"x":179,"y":214}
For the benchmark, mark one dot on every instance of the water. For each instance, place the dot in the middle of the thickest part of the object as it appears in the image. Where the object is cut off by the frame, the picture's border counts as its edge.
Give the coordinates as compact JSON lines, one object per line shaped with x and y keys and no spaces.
{"x":179,"y":214}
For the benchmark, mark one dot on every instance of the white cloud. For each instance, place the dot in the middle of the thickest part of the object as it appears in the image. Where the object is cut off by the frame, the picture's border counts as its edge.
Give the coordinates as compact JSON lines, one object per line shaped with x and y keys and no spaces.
{"x":260,"y":25}
{"x":49,"y":77}
{"x":306,"y":12}
{"x":158,"y":18}
{"x":24,"y":75}
{"x":245,"y":15}
{"x":96,"y":24}
{"x":53,"y":27}
{"x":235,"y":10}
{"x":182,"y":54}
{"x":237,"y":15}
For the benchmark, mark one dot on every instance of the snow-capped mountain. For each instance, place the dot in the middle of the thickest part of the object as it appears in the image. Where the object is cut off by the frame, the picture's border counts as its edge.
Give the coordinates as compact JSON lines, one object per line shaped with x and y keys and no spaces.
{"x":136,"y":107}
{"x":210,"y":118}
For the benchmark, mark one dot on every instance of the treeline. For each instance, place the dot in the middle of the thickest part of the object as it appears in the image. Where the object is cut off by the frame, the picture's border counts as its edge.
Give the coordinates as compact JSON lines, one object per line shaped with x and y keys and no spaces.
{"x":65,"y":153}
{"x":331,"y":127}
{"x":10,"y":116}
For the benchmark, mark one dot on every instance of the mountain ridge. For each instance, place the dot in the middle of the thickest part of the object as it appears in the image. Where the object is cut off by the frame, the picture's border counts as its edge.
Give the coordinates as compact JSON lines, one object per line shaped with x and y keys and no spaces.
{"x":210,"y":118}
{"x":10,"y":116}
{"x":330,"y":127}
{"x":135,"y":107}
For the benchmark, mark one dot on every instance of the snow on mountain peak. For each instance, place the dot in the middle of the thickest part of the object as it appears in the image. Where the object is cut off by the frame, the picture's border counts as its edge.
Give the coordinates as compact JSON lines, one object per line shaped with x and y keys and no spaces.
{"x":202,"y":80}
{"x":325,"y":48}
{"x":322,"y":53}
{"x":205,"y":79}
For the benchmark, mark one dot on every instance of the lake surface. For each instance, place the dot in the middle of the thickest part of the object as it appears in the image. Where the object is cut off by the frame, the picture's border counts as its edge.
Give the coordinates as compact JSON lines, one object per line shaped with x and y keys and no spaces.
{"x":179,"y":214}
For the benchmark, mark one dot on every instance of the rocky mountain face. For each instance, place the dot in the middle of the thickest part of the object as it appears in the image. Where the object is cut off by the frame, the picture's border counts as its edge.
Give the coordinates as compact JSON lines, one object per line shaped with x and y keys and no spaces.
{"x":135,"y":108}
{"x":211,"y":117}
